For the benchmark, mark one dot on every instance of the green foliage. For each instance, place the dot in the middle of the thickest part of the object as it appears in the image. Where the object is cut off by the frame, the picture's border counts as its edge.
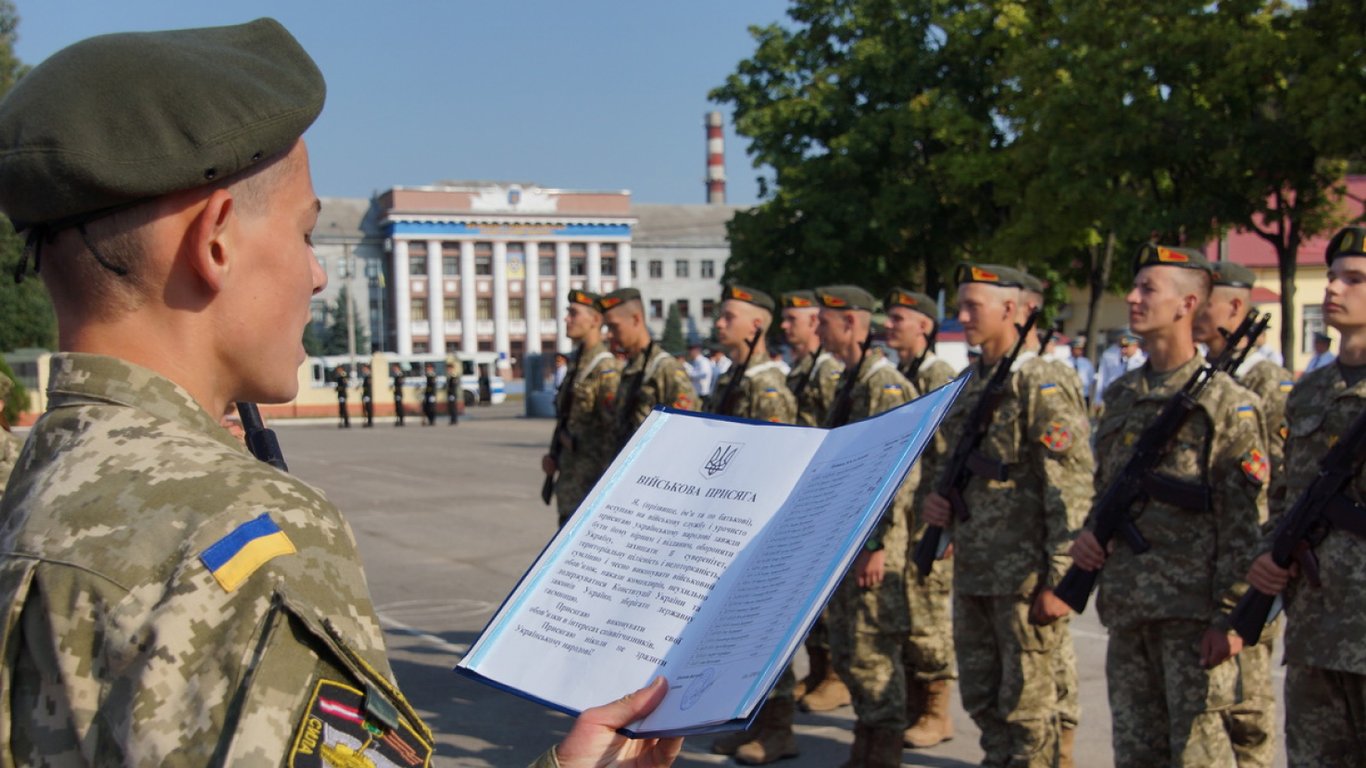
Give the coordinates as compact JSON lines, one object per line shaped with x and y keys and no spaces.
{"x":672,"y":340}
{"x":333,"y":338}
{"x":18,"y":399}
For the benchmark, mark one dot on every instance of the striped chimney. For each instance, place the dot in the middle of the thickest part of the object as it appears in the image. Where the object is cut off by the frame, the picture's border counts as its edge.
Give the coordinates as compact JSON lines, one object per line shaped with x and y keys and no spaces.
{"x":716,"y":160}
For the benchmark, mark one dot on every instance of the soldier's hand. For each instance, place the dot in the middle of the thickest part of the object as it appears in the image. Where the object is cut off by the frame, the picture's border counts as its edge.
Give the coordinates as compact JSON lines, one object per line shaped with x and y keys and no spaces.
{"x":594,"y":741}
{"x":1217,"y":646}
{"x":936,"y":510}
{"x":869,"y":568}
{"x":1087,"y":552}
{"x":548,"y":464}
{"x":1267,"y":577}
{"x":1047,"y":608}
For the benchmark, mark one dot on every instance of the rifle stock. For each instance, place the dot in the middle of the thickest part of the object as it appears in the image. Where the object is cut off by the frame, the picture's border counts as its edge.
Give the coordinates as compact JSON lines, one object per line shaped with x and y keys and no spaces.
{"x":844,"y":399}
{"x":261,"y":441}
{"x":722,"y":403}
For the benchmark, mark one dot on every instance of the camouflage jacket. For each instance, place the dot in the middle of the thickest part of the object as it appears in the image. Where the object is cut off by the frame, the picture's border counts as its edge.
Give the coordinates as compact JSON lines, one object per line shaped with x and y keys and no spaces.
{"x":761,"y":395}
{"x":880,"y":388}
{"x":1199,"y":556}
{"x":589,"y":395}
{"x":169,"y":600}
{"x":1272,"y":384}
{"x":654,"y":377}
{"x":821,"y":373}
{"x":9,"y":455}
{"x":1020,"y":528}
{"x":1326,"y":625}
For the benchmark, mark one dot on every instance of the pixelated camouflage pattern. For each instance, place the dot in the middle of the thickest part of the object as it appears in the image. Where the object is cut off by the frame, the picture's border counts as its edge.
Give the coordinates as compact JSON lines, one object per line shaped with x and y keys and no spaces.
{"x":1007,"y":683}
{"x":665,"y":382}
{"x":1065,"y":677}
{"x":1165,"y":708}
{"x":118,"y":645}
{"x":1325,"y":626}
{"x":1325,"y":724}
{"x":9,"y":456}
{"x":823,"y":371}
{"x":590,"y":396}
{"x":761,"y":395}
{"x":1198,"y":559}
{"x":1251,"y":721}
{"x":1022,"y":527}
{"x":1272,"y":384}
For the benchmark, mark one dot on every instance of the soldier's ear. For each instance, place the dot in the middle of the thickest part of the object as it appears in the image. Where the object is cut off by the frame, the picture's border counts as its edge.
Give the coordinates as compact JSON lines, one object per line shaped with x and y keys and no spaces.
{"x":210,"y":242}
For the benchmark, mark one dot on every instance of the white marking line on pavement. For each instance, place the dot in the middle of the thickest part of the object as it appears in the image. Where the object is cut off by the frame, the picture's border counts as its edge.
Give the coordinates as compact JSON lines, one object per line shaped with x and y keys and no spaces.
{"x":1089,"y":634}
{"x":395,"y":625}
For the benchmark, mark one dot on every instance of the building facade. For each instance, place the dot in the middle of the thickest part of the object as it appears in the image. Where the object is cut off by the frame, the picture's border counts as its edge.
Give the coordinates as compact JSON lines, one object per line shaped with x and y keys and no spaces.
{"x":679,"y":257}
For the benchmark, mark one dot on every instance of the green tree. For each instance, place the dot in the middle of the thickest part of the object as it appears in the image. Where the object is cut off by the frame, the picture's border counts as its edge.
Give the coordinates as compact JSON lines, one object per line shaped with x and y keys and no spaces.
{"x":17,"y":401}
{"x":333,"y":340}
{"x":672,"y":339}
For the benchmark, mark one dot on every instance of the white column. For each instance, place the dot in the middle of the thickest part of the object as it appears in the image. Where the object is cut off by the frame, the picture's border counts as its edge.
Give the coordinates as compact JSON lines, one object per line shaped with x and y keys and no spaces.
{"x":403,"y":300}
{"x":500,"y":298}
{"x":595,"y":267}
{"x":436,"y":316}
{"x":531,"y":296}
{"x":469,"y":342}
{"x":623,"y":265}
{"x":561,"y":294}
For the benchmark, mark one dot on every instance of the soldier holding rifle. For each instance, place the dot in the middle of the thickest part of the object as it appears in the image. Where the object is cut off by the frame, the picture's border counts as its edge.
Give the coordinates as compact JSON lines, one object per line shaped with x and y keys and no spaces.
{"x":652,"y":376}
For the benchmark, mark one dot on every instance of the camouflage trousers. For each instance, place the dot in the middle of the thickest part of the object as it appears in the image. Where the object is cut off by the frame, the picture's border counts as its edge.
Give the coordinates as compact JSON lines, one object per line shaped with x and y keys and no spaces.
{"x":1006,"y":674}
{"x":577,"y":477}
{"x":1251,"y":721}
{"x":1325,"y":717}
{"x":1065,"y":678}
{"x":868,"y":630}
{"x":1165,"y":708}
{"x":929,"y":647}
{"x":818,"y":639}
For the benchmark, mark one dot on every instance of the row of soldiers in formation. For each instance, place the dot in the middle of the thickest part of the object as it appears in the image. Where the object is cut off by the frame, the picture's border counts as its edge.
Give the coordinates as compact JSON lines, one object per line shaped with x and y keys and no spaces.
{"x":1183,"y":688}
{"x":397,"y":374}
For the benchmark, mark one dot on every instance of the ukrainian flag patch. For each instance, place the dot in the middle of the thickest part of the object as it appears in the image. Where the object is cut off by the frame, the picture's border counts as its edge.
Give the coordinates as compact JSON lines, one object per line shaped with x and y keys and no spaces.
{"x":1246,"y":412}
{"x":1286,"y":386}
{"x":1048,"y":389}
{"x":235,"y":557}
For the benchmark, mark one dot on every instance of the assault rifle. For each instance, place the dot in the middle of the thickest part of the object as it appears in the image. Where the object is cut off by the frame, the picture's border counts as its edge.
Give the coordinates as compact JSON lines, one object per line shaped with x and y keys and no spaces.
{"x":1321,"y":506}
{"x":722,"y":404}
{"x":260,"y":441}
{"x":1252,"y":326}
{"x":626,"y":409}
{"x":843,"y":404}
{"x":965,"y":460}
{"x":563,"y":406}
{"x":1136,"y":481}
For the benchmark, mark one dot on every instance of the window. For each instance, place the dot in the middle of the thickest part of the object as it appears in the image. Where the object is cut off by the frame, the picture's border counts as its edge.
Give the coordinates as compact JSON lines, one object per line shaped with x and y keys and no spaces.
{"x":635,"y":271}
{"x":419,"y":311}
{"x":516,"y":308}
{"x":483,"y":259}
{"x":709,"y":308}
{"x":545,"y":259}
{"x":483,"y":308}
{"x":708,"y":268}
{"x":608,"y":253}
{"x":450,"y":259}
{"x":1313,"y":323}
{"x":319,"y":310}
{"x":452,"y":347}
{"x":417,"y":258}
{"x":656,"y":309}
{"x":683,"y":308}
{"x":656,"y":268}
{"x":450,"y":308}
{"x":419,"y":348}
{"x":548,"y":308}
{"x":578,"y":259}
{"x":681,"y":268}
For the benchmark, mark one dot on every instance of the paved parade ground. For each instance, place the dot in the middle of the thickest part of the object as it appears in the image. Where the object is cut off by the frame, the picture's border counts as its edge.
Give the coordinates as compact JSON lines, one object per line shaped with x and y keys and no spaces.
{"x":448,"y":518}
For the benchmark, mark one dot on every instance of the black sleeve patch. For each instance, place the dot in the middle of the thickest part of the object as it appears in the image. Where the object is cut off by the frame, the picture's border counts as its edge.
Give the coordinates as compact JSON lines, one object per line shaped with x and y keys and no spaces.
{"x":337,"y":730}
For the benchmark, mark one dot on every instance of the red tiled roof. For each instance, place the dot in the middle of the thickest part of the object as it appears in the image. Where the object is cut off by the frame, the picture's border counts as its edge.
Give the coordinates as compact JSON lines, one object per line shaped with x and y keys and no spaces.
{"x":1262,"y":295}
{"x":1250,"y":250}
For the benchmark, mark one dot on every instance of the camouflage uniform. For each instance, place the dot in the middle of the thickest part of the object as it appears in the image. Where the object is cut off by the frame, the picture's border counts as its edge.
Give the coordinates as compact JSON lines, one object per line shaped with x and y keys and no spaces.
{"x":9,"y":456}
{"x":821,"y":373}
{"x":588,"y":395}
{"x":1015,"y":543}
{"x":121,"y":645}
{"x":762,"y":395}
{"x":1166,"y":708}
{"x":653,"y":377}
{"x":1325,"y":684}
{"x":869,"y":627}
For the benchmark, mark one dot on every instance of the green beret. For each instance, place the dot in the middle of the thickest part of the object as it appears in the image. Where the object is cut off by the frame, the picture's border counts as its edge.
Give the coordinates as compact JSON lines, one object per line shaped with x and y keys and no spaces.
{"x":118,"y":119}
{"x":1031,"y":283}
{"x":618,"y":297}
{"x":749,"y":296}
{"x":845,"y":297}
{"x":1233,"y":275}
{"x":1351,"y":241}
{"x":1152,"y":254}
{"x":993,"y":274}
{"x":900,"y":297}
{"x":799,"y":300}
{"x":585,"y":298}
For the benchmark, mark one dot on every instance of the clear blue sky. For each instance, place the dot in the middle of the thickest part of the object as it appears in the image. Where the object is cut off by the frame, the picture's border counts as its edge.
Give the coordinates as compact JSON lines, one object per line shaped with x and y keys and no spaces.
{"x":580,"y":94}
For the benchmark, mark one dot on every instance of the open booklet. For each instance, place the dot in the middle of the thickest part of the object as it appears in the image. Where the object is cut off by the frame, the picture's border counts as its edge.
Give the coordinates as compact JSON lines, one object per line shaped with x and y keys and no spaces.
{"x":704,"y":554}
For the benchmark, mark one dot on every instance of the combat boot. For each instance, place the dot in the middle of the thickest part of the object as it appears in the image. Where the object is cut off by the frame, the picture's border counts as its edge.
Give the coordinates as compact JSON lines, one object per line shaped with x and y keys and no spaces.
{"x":830,"y":693}
{"x":1067,"y":739}
{"x":884,"y":748}
{"x":726,"y":745}
{"x":934,"y":724}
{"x":775,"y":740}
{"x":915,"y":701}
{"x":858,"y":752}
{"x":819,"y":659}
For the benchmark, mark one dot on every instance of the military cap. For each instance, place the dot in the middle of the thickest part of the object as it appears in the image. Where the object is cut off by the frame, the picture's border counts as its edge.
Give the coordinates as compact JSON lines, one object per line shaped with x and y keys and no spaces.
{"x":1128,"y":337}
{"x":1350,"y":241}
{"x":1031,"y":283}
{"x":800,"y":300}
{"x":845,"y":297}
{"x":617,"y":298}
{"x":1233,"y":275}
{"x":1321,"y":336}
{"x":992,"y":274}
{"x":749,"y":296}
{"x":900,"y":297}
{"x":585,"y":298}
{"x":1078,"y":343}
{"x":1152,"y":254}
{"x":118,"y":119}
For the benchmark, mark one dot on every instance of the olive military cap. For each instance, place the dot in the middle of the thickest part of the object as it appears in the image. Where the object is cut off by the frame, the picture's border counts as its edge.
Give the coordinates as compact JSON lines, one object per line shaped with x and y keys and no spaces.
{"x":1233,"y":275}
{"x":617,"y":298}
{"x":585,"y":298}
{"x":900,"y":297}
{"x":1350,"y":241}
{"x":993,"y":274}
{"x":118,"y":119}
{"x":800,"y":300}
{"x":845,"y":297}
{"x":1152,"y":254}
{"x":1031,"y":283}
{"x":749,"y":296}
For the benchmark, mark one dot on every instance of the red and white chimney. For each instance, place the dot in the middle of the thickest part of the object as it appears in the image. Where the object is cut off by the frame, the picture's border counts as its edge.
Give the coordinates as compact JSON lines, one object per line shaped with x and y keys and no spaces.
{"x":716,"y":159}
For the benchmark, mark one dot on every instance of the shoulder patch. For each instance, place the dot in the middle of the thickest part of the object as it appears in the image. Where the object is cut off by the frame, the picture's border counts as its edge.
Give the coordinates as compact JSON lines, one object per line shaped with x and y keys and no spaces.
{"x":337,"y":731}
{"x":235,"y":557}
{"x":1246,"y":412}
{"x":1255,"y":466}
{"x":1048,"y":389}
{"x":771,"y":392}
{"x":683,"y":402}
{"x":891,"y":387}
{"x":1057,"y":438}
{"x":1286,"y":386}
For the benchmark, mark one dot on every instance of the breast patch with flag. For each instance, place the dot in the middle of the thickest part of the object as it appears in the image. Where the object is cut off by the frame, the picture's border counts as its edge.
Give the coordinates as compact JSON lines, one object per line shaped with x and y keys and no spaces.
{"x":336,"y":730}
{"x":235,"y":557}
